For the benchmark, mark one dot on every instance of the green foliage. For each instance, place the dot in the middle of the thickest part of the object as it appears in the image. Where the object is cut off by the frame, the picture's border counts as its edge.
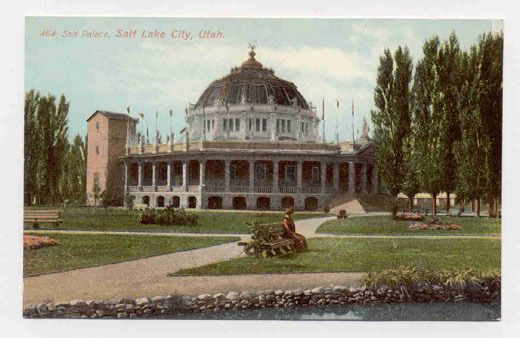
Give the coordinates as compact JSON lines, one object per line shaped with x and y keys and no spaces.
{"x":168,"y":216}
{"x":129,"y":201}
{"x":391,"y":118}
{"x":107,"y":199}
{"x":411,"y":277}
{"x":54,"y":170}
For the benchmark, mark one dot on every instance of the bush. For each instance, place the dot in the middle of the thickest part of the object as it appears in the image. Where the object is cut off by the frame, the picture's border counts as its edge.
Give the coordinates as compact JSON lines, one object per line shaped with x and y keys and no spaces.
{"x":168,"y":217}
{"x":412,"y":278}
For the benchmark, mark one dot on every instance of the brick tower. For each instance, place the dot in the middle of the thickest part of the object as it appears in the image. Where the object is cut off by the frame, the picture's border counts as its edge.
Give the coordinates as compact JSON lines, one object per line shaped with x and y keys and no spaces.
{"x":107,"y":137}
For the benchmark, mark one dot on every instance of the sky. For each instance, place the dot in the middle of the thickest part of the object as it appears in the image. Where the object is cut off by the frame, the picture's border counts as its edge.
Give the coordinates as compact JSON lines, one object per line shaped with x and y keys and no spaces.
{"x":326,"y":58}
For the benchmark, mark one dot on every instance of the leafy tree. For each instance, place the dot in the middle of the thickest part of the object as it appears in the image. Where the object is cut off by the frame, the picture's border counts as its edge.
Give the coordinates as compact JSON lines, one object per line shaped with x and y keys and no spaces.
{"x":427,"y":116}
{"x":490,"y":49}
{"x":129,"y":201}
{"x":448,"y":91}
{"x":107,"y":199}
{"x":31,"y":147}
{"x":470,"y":148}
{"x":391,"y":119}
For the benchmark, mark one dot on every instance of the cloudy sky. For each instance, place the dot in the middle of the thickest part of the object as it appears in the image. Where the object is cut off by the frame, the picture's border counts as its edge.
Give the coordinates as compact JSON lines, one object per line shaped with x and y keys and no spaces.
{"x":331,"y":58}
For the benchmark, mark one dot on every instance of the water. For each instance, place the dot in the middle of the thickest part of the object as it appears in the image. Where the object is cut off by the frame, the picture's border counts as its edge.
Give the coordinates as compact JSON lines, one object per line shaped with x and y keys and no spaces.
{"x":450,"y":311}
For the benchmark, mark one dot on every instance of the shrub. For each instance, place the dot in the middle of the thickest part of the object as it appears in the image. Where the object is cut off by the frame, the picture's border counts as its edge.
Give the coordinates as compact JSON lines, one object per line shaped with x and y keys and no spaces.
{"x":412,"y":278}
{"x":168,"y":217}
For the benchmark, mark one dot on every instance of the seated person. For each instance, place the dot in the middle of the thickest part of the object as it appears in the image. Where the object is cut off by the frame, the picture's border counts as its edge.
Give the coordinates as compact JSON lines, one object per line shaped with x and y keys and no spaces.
{"x":290,"y":231}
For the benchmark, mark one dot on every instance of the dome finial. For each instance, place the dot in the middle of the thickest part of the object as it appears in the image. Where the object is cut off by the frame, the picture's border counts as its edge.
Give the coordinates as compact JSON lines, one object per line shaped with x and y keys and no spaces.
{"x":252,"y":46}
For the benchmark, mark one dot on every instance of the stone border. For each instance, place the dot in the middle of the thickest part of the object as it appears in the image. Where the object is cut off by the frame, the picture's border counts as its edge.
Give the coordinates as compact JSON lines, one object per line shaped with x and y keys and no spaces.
{"x":172,"y":306}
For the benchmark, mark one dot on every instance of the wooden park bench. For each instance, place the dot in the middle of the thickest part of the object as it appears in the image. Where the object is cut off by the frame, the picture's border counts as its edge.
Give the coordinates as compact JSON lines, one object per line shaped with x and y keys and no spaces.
{"x":267,"y":241}
{"x":37,"y":217}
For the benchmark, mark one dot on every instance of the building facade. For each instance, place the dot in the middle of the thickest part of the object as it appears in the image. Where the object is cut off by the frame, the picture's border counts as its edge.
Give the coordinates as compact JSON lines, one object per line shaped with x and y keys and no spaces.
{"x":251,"y":141}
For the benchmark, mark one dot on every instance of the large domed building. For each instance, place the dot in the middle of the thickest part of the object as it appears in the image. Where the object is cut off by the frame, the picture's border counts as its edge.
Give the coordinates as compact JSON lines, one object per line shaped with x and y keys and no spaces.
{"x":251,"y":141}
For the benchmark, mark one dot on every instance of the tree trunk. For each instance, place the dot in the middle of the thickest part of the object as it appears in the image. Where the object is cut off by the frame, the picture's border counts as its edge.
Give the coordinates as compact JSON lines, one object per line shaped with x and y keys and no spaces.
{"x":472,"y":205}
{"x":410,"y":204}
{"x":478,"y":207}
{"x":448,"y":202}
{"x":394,"y":207}
{"x":434,"y":205}
{"x":493,"y":207}
{"x":462,"y":205}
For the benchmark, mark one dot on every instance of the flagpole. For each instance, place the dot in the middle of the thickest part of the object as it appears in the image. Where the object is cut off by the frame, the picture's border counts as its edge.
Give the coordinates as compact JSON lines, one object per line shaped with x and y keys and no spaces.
{"x":323,"y":120}
{"x":156,"y":128}
{"x":337,"y":116}
{"x":171,"y":126}
{"x":128,"y":127}
{"x":353,"y":139}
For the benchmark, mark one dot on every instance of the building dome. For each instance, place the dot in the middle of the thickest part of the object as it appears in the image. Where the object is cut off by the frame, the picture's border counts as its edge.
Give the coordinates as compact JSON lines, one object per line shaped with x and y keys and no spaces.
{"x":251,"y":83}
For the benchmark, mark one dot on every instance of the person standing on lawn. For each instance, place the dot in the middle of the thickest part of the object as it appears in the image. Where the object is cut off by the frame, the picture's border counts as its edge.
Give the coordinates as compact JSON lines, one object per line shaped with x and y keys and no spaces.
{"x":290,"y":231}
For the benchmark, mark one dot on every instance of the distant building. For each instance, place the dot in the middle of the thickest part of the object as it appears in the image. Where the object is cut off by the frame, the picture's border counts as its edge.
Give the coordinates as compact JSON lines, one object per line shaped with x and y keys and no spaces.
{"x":251,"y":141}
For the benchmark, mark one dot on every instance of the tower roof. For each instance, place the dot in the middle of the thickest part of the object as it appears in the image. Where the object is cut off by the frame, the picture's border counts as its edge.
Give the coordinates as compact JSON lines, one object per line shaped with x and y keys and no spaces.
{"x":112,"y":116}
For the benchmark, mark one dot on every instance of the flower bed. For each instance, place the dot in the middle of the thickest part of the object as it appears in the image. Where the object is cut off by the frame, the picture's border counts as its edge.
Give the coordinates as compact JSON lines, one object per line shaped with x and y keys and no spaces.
{"x":434,"y":226}
{"x":408,"y":216}
{"x":37,"y":242}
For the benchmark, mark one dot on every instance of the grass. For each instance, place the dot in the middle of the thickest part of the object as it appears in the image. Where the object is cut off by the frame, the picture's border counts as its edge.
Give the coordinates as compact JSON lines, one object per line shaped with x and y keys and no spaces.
{"x":367,"y":254}
{"x":209,"y":221}
{"x":80,"y":251}
{"x":384,"y":225}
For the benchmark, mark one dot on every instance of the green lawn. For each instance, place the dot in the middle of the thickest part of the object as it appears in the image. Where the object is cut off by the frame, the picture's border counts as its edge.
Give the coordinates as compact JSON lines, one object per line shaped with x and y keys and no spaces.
{"x":384,"y":225}
{"x":367,"y":254}
{"x":80,"y":251}
{"x":209,"y":221}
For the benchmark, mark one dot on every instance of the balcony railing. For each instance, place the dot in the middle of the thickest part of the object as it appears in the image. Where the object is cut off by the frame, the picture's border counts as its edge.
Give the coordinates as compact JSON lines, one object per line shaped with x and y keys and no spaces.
{"x":288,"y":189}
{"x":239,"y":188}
{"x":312,"y":190}
{"x":264,"y":189}
{"x":214,"y":188}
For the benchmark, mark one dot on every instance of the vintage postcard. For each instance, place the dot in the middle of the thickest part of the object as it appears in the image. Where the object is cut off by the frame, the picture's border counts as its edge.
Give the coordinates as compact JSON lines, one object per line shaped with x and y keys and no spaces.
{"x":269,"y":169}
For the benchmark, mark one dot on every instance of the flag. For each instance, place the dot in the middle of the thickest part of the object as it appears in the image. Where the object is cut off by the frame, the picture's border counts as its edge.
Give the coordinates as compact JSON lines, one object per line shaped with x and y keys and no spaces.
{"x":156,"y":114}
{"x":128,"y":110}
{"x":171,"y":112}
{"x":337,"y":103}
{"x":142,"y":115}
{"x":352,"y":107}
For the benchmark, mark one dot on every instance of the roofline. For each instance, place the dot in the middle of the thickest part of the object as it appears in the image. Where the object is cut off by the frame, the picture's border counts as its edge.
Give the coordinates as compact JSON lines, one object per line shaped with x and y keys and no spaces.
{"x":108,"y":117}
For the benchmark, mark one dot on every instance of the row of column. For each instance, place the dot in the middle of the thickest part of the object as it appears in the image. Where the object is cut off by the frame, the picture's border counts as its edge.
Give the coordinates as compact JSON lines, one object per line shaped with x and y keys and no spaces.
{"x":299,"y":176}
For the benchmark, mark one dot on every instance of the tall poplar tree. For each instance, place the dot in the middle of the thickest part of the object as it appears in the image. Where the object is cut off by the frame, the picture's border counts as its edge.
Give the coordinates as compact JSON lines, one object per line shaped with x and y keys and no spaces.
{"x":391,"y":118}
{"x":448,"y":69}
{"x":427,"y":117}
{"x":470,"y":149}
{"x":491,"y":47}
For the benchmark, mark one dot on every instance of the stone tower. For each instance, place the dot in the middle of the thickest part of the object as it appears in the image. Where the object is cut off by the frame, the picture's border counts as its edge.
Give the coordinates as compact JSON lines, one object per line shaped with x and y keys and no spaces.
{"x":107,"y":138}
